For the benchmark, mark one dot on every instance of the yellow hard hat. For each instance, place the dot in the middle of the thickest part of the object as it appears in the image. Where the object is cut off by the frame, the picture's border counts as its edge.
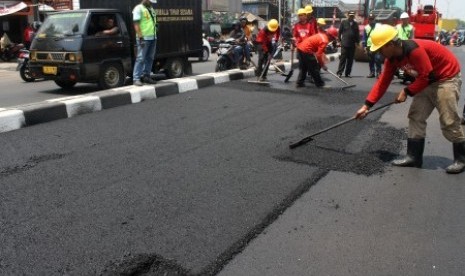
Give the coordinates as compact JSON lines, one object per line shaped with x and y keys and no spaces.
{"x":272,"y":25}
{"x":321,"y":21}
{"x":301,"y":11}
{"x":381,"y":35}
{"x":309,"y":8}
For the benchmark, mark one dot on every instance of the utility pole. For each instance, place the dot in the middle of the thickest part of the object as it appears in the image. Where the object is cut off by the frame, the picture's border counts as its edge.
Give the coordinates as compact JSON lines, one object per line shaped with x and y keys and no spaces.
{"x":35,"y":9}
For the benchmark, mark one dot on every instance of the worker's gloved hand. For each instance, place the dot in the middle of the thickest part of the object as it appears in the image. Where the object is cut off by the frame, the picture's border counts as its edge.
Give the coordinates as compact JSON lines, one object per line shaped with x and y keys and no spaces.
{"x":362,"y":112}
{"x":401,"y":97}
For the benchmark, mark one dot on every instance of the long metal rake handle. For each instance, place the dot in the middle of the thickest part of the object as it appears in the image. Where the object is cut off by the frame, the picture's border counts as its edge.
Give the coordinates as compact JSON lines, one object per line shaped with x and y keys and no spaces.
{"x":336,"y":76}
{"x":310,"y":138}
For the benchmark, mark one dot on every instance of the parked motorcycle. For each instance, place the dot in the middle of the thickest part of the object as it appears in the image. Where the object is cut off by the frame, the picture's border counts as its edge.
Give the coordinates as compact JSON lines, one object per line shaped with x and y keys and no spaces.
{"x":225,"y":53}
{"x":11,"y":51}
{"x":23,"y":66}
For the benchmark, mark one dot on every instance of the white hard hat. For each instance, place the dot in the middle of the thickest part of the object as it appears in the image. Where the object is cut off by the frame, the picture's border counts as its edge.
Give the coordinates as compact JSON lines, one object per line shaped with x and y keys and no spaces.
{"x":404,"y":15}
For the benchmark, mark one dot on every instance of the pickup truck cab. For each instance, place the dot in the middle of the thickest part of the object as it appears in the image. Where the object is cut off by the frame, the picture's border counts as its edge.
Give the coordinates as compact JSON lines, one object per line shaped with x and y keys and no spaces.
{"x":70,"y":47}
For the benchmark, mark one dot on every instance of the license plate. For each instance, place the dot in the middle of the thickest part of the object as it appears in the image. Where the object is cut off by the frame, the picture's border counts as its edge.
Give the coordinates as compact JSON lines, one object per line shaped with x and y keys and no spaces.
{"x":49,"y":70}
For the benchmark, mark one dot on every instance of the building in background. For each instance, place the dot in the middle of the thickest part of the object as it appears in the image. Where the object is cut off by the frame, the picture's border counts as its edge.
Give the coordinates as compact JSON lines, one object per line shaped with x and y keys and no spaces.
{"x":16,"y":15}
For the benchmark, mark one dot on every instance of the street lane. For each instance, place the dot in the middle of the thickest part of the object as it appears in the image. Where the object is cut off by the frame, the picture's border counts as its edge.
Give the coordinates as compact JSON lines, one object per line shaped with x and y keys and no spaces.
{"x":14,"y":91}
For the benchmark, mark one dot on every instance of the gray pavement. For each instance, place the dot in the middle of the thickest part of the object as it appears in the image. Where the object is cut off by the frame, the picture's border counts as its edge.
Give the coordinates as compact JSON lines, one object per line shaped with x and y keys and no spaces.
{"x":404,"y":222}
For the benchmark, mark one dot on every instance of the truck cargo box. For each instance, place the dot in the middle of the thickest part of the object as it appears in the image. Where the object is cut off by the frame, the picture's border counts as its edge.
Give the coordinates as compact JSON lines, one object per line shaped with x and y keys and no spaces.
{"x":179,"y":24}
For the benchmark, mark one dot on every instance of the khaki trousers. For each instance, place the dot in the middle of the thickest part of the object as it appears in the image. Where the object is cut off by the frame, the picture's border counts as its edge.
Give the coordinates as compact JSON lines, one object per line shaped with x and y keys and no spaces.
{"x":443,"y":96}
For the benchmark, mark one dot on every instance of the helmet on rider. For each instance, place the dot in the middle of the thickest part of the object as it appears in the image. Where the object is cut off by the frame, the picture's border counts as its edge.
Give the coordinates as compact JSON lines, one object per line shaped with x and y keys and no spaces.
{"x":321,"y":21}
{"x":301,"y":12}
{"x":309,"y":9}
{"x":382,"y":35}
{"x":272,"y":25}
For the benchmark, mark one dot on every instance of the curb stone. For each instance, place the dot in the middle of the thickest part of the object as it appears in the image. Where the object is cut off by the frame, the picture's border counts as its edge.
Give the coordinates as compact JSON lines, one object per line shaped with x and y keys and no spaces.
{"x":61,"y":108}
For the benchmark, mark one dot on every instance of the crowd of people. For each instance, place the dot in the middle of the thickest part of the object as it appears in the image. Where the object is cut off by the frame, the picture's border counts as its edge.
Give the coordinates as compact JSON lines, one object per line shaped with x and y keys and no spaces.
{"x":434,"y":71}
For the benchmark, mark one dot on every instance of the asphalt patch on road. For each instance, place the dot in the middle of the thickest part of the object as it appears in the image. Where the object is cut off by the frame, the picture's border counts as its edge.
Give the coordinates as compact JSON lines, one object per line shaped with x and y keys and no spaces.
{"x":332,"y":95}
{"x":329,"y":150}
{"x":144,"y":264}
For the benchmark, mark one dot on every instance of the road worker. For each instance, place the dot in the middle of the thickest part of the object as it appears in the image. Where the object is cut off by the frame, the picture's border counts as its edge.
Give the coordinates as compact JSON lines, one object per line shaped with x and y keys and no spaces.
{"x":437,"y":85}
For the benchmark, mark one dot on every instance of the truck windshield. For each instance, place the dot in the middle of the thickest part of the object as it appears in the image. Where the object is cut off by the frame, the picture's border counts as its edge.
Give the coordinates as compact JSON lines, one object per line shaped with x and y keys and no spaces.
{"x":390,"y":5}
{"x":60,"y":25}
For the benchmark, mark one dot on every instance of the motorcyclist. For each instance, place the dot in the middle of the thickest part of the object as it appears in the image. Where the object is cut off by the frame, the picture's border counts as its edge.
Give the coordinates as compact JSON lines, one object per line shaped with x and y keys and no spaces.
{"x":248,"y":36}
{"x":238,"y":35}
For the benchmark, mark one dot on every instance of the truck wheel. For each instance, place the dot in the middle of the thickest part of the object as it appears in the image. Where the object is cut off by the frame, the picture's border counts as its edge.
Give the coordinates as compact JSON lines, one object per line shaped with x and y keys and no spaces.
{"x":111,"y":76}
{"x":205,"y":54}
{"x":175,"y":68}
{"x":65,"y":84}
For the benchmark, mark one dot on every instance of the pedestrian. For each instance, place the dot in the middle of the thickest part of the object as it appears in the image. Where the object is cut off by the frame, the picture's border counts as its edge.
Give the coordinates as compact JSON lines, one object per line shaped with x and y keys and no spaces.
{"x":265,"y":48}
{"x":437,"y":85}
{"x":311,"y":54}
{"x":145,"y":26}
{"x":405,"y":29}
{"x":349,"y":38}
{"x":28,"y":35}
{"x":374,"y":58}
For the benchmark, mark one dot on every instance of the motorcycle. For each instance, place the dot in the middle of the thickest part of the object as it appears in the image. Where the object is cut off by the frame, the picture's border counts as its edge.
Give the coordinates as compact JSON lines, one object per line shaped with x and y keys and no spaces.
{"x":459,"y":40}
{"x":11,"y":51}
{"x":226,"y":58}
{"x":23,"y":66}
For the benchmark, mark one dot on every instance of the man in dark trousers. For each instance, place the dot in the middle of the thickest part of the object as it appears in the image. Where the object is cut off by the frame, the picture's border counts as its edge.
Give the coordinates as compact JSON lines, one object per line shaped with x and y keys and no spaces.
{"x":437,"y":86}
{"x":349,"y":37}
{"x":311,"y":54}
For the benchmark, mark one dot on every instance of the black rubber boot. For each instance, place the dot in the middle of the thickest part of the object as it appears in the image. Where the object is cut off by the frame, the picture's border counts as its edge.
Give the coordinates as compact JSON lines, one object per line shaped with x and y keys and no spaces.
{"x":414,"y":156}
{"x":459,"y":159}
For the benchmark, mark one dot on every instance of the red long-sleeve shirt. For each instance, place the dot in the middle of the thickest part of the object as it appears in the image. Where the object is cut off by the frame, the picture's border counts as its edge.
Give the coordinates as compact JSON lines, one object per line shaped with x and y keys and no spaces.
{"x":429,"y":60}
{"x":315,"y":44}
{"x":265,"y":37}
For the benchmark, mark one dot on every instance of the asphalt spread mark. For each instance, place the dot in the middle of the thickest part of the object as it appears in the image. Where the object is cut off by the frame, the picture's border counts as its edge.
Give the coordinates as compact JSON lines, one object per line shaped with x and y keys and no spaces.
{"x":328,"y":150}
{"x":31,"y":163}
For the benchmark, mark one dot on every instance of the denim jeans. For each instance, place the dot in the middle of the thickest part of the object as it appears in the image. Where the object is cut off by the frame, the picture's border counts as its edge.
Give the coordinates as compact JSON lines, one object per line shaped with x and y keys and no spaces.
{"x":144,"y":60}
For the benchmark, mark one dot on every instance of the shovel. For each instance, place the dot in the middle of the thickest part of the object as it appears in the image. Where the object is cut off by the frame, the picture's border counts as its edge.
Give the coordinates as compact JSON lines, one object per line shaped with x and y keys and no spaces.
{"x":310,"y":138}
{"x":347,"y":85}
{"x":289,"y":75}
{"x":267,"y":65}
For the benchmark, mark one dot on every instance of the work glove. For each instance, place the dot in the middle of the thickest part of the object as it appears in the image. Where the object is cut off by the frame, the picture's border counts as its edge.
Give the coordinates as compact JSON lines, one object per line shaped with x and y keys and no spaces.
{"x":362,"y":112}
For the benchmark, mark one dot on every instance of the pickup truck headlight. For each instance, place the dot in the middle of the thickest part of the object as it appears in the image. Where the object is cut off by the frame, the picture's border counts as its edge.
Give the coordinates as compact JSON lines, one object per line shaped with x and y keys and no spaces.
{"x":74,"y":57}
{"x":33,"y":56}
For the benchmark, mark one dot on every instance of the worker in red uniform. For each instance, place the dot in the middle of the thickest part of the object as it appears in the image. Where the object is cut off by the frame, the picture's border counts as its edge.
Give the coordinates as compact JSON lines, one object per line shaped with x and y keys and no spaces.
{"x":303,"y":28}
{"x":311,"y":54}
{"x":437,"y":85}
{"x":311,"y":20}
{"x":264,"y":42}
